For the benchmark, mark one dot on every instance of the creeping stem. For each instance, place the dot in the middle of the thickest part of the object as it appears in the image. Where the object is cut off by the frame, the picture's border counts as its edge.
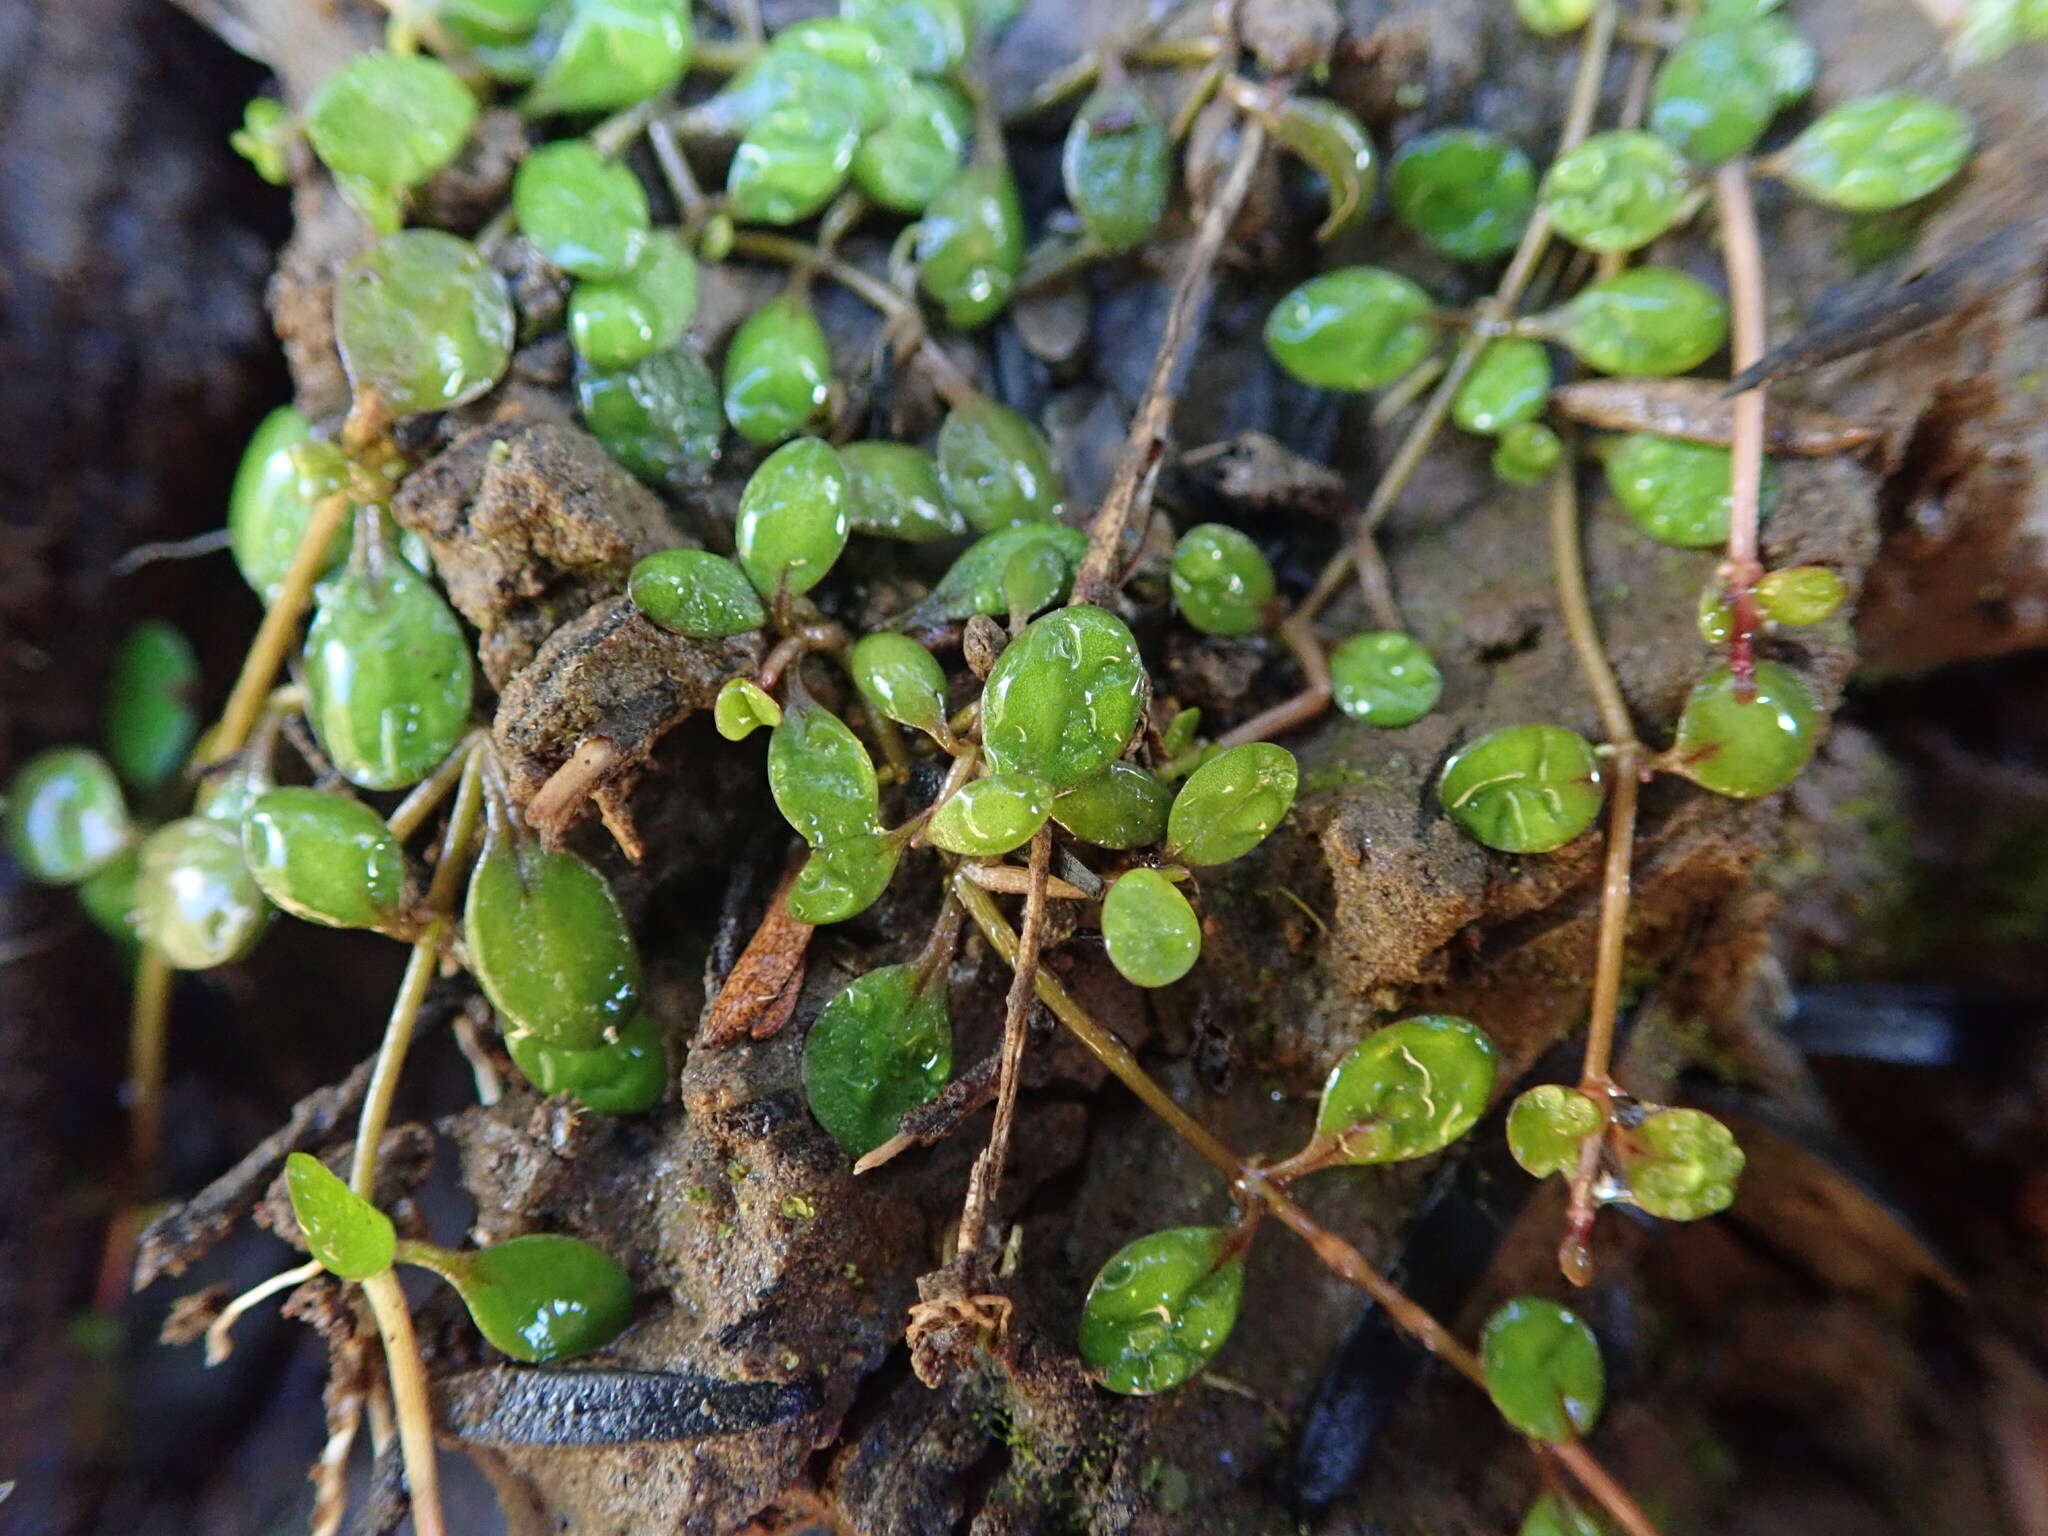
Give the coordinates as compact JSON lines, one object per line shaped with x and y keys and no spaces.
{"x":1743,"y":254}
{"x":409,"y":1398}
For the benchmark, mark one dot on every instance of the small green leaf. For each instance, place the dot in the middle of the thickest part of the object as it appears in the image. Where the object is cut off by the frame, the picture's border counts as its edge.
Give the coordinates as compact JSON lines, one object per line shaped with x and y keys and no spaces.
{"x":843,"y":879}
{"x":1385,"y":679}
{"x":1527,"y":453}
{"x":1123,"y":806}
{"x":615,"y":322}
{"x":1543,"y":1369}
{"x":389,"y":121}
{"x":66,"y":817}
{"x":351,"y":1238}
{"x":1467,"y":193}
{"x":975,"y":582}
{"x":894,"y":492}
{"x":1716,"y":93}
{"x":694,"y":592}
{"x":1336,"y":146}
{"x":611,"y":54}
{"x":538,"y":1298}
{"x":901,"y":680}
{"x":1547,"y":1126}
{"x":1064,"y":697}
{"x":1680,"y":1164}
{"x":424,"y":320}
{"x":1650,"y":320}
{"x":1408,"y":1090}
{"x":791,"y":161}
{"x":1527,"y":789}
{"x":991,"y":816}
{"x":1677,"y":492}
{"x":1161,"y":1308}
{"x":1746,"y":749}
{"x":195,"y":899}
{"x":911,"y":158}
{"x":880,"y":1047}
{"x":1878,"y":152}
{"x":1552,"y":18}
{"x":586,"y":214}
{"x":743,"y":707}
{"x":792,"y":522}
{"x":265,"y":138}
{"x":778,"y":372}
{"x":149,"y":722}
{"x":1153,"y":935}
{"x":267,"y":509}
{"x":1617,"y":191}
{"x":327,"y":858}
{"x":625,"y":1077}
{"x":1229,"y":804}
{"x":1221,"y":581}
{"x":1117,"y":164}
{"x":1354,"y":328}
{"x":549,"y":945}
{"x":929,"y":37}
{"x":1508,"y":387}
{"x":1554,"y":1515}
{"x":996,"y":467}
{"x":1800,"y":594}
{"x":661,"y":417}
{"x":107,"y":896}
{"x":970,"y":245}
{"x":821,"y":776}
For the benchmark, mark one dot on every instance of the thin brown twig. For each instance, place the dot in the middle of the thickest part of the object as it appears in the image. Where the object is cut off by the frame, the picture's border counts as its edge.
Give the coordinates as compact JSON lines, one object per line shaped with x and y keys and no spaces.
{"x":1291,"y":713}
{"x":1742,"y":252}
{"x":409,"y":1397}
{"x":148,"y":1037}
{"x":1138,"y":465}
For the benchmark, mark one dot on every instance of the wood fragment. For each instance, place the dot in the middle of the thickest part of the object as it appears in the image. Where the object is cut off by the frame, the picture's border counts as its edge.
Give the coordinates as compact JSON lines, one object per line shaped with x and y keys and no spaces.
{"x":1698,"y":411}
{"x":760,"y":993}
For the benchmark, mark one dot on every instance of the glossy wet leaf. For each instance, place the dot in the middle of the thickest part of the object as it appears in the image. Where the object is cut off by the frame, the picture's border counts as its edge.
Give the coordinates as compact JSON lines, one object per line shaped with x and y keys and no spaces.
{"x":615,"y":322}
{"x":195,"y":899}
{"x":1680,"y":1164}
{"x":149,"y":721}
{"x":265,"y":138}
{"x":478,"y":22}
{"x":792,"y":521}
{"x":974,"y":583}
{"x":107,"y":896}
{"x":880,"y":1047}
{"x":791,"y":161}
{"x":1788,"y":58}
{"x":1466,"y":192}
{"x":1649,"y":320}
{"x":1527,"y":453}
{"x":1746,"y":749}
{"x":586,"y":214}
{"x":610,"y":54}
{"x":1229,"y":804}
{"x":778,"y":372}
{"x":1715,"y":93}
{"x":900,"y":679}
{"x":1407,"y":1090}
{"x":821,"y":776}
{"x":267,"y":510}
{"x":1117,"y":165}
{"x":743,"y":708}
{"x":1161,"y":1307}
{"x":1617,"y":191}
{"x":541,"y":1297}
{"x":1552,"y":18}
{"x":1385,"y":678}
{"x":549,"y":944}
{"x":1507,"y":386}
{"x":694,"y":592}
{"x":843,"y":879}
{"x":1150,"y":930}
{"x":661,"y":417}
{"x":622,"y":1078}
{"x":66,"y":817}
{"x":1064,"y":698}
{"x":1180,"y":731}
{"x":351,"y":1238}
{"x":1677,"y":492}
{"x":996,"y":467}
{"x":388,"y":675}
{"x":1555,"y":1515}
{"x":1800,"y":594}
{"x":970,"y":245}
{"x":1222,"y":583}
{"x":821,"y":60}
{"x":1715,"y":618}
{"x":1123,"y":806}
{"x":929,"y":37}
{"x":387,"y":122}
{"x":1526,"y":789}
{"x":1336,"y":146}
{"x":1354,"y":328}
{"x":1543,"y":1369}
{"x":908,"y":161}
{"x":992,"y":815}
{"x":1548,"y":1125}
{"x":424,"y":320}
{"x":1878,"y":152}
{"x":896,"y":493}
{"x":324,"y":857}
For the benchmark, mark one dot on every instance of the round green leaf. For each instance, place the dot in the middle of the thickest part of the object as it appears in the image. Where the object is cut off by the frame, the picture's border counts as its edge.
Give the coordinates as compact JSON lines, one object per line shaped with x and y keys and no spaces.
{"x":778,"y":372}
{"x":909,"y":160}
{"x":1745,"y":750}
{"x":195,"y":899}
{"x":615,"y":322}
{"x":1554,"y":1515}
{"x":901,"y":680}
{"x":1229,"y":804}
{"x":1716,"y":93}
{"x":1547,"y":1126}
{"x":586,"y":214}
{"x":1800,"y":594}
{"x":1354,"y":328}
{"x":996,"y":467}
{"x":351,"y":1238}
{"x":1385,"y":679}
{"x":1064,"y":697}
{"x":1160,"y":1309}
{"x":843,"y":879}
{"x":1407,"y":1090}
{"x":970,"y":245}
{"x":822,"y":59}
{"x":974,"y":584}
{"x":661,"y":417}
{"x":611,"y":54}
{"x":149,"y":722}
{"x":792,"y":522}
{"x":107,"y":896}
{"x":1527,"y":789}
{"x":1650,"y":320}
{"x":895,"y":493}
{"x":1552,"y":18}
{"x":66,"y":818}
{"x":743,"y":708}
{"x":880,"y":1047}
{"x":1467,"y":193}
{"x":1221,"y":582}
{"x":1677,"y":492}
{"x":1123,"y":806}
{"x":1878,"y":152}
{"x":1527,"y":453}
{"x":1543,"y":1369}
{"x":267,"y":511}
{"x":541,"y":1297}
{"x":991,"y":816}
{"x":622,"y":1078}
{"x":327,"y":858}
{"x":1616,"y":191}
{"x":929,"y":37}
{"x":389,"y":121}
{"x":1680,"y":1164}
{"x":1507,"y":387}
{"x":424,"y":320}
{"x":1118,"y":165}
{"x":791,"y":161}
{"x":821,"y":776}
{"x":694,"y":592}
{"x":1152,"y":933}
